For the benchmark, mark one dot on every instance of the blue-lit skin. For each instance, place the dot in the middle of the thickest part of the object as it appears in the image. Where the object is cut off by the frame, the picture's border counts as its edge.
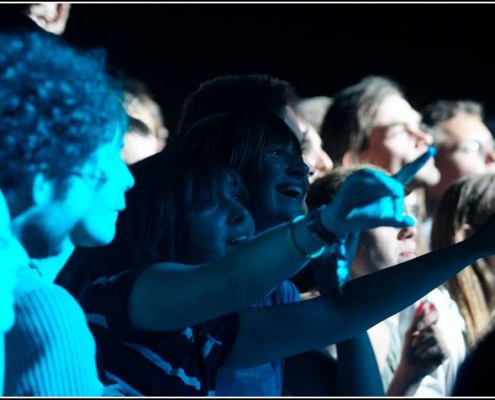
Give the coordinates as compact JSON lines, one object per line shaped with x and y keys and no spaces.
{"x":109,"y":178}
{"x":276,"y":195}
{"x":215,"y":229}
{"x":388,"y":209}
{"x":370,"y":198}
{"x":86,"y":213}
{"x":12,"y":255}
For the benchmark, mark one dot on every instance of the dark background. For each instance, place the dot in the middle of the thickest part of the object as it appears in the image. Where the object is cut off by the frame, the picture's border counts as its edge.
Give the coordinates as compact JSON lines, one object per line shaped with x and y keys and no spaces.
{"x":433,"y":50}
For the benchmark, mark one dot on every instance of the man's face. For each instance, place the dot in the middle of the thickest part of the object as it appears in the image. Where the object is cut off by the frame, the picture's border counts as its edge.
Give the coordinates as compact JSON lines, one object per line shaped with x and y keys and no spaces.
{"x":151,"y":138}
{"x":318,"y":161}
{"x":86,"y":211}
{"x":396,"y":139}
{"x":111,"y":180}
{"x":139,"y":146}
{"x":467,"y":148}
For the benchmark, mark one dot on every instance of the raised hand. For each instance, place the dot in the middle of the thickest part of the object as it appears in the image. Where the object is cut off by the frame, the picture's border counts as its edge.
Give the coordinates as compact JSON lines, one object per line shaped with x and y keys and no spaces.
{"x":424,"y":348}
{"x":370,"y":198}
{"x":408,"y":171}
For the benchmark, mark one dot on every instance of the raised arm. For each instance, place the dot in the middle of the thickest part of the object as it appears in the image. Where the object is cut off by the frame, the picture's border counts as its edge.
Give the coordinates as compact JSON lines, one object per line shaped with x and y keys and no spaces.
{"x":172,"y":296}
{"x":311,"y":324}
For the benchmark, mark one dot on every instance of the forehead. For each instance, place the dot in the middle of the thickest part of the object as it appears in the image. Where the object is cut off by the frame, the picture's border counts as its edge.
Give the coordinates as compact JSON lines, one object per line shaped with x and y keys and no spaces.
{"x":279,"y":133}
{"x":394,"y":109}
{"x":465,"y":127}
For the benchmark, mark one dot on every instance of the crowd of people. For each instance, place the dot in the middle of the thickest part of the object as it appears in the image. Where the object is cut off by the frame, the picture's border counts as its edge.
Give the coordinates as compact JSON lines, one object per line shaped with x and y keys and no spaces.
{"x":272,"y":245}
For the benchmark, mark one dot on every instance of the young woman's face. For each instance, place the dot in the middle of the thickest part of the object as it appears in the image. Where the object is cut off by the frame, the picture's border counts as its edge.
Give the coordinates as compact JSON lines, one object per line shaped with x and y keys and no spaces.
{"x":215,"y":228}
{"x":276,"y":193}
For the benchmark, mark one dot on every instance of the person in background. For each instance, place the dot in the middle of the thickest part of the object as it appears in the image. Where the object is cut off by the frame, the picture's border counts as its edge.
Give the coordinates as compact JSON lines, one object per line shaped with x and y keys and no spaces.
{"x":311,"y":112}
{"x":48,"y":16}
{"x":406,"y":358}
{"x":465,"y":146}
{"x":372,"y":122}
{"x":147,"y":134}
{"x":463,"y":208}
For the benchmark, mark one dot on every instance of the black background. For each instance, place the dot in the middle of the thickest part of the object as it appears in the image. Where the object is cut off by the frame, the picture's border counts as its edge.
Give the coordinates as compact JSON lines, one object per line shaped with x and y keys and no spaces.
{"x":433,"y":50}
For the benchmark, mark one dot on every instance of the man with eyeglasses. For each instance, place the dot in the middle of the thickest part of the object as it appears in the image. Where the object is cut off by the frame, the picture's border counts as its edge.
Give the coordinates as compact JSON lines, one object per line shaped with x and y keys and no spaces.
{"x":372,"y":122}
{"x":465,"y":144}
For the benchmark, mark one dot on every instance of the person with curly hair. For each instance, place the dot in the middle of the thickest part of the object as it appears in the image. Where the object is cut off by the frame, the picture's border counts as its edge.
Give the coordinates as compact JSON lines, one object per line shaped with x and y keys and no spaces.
{"x":61,"y":129}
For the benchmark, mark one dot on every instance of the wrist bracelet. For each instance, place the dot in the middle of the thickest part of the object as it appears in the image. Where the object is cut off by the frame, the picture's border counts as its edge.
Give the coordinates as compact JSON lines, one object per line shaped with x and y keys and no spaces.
{"x":293,"y":241}
{"x":317,"y":228}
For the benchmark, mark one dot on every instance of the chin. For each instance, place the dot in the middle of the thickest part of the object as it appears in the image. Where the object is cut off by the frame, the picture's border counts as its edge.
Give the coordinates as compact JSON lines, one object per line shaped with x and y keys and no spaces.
{"x":93,"y":240}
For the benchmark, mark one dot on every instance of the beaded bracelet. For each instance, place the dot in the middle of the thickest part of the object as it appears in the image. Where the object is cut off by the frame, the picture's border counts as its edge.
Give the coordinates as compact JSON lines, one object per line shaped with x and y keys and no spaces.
{"x":293,"y":241}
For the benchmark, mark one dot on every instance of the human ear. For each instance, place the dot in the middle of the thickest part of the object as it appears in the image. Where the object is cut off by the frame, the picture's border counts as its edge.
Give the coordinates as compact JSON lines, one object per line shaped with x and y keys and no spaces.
{"x":42,"y":189}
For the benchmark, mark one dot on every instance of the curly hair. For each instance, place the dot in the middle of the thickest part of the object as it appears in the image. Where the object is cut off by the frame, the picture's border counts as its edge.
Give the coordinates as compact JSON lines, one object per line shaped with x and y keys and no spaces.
{"x":57,"y":106}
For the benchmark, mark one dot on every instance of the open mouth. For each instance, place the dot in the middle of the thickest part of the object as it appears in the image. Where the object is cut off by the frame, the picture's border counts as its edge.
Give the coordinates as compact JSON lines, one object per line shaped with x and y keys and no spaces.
{"x":237,"y":239}
{"x":291,"y":190}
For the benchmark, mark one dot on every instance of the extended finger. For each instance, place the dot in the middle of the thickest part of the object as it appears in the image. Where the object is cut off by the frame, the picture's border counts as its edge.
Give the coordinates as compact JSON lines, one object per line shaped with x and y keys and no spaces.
{"x":406,"y":174}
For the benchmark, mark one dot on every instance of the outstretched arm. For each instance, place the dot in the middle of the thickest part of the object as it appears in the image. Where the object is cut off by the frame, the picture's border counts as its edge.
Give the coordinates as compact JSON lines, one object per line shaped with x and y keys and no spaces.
{"x":171,"y":296}
{"x":296,"y":328}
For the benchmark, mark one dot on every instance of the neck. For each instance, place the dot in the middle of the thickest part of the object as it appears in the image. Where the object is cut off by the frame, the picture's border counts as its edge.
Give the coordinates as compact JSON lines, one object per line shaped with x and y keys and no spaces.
{"x":49,"y":267}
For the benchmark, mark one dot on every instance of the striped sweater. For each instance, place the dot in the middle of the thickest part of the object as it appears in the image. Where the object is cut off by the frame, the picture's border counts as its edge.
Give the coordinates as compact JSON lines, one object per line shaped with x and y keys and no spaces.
{"x":50,"y":350}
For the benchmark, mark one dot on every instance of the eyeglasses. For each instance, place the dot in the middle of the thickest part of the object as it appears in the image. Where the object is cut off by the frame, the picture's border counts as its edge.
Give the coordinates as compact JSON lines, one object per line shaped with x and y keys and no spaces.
{"x":474,"y":147}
